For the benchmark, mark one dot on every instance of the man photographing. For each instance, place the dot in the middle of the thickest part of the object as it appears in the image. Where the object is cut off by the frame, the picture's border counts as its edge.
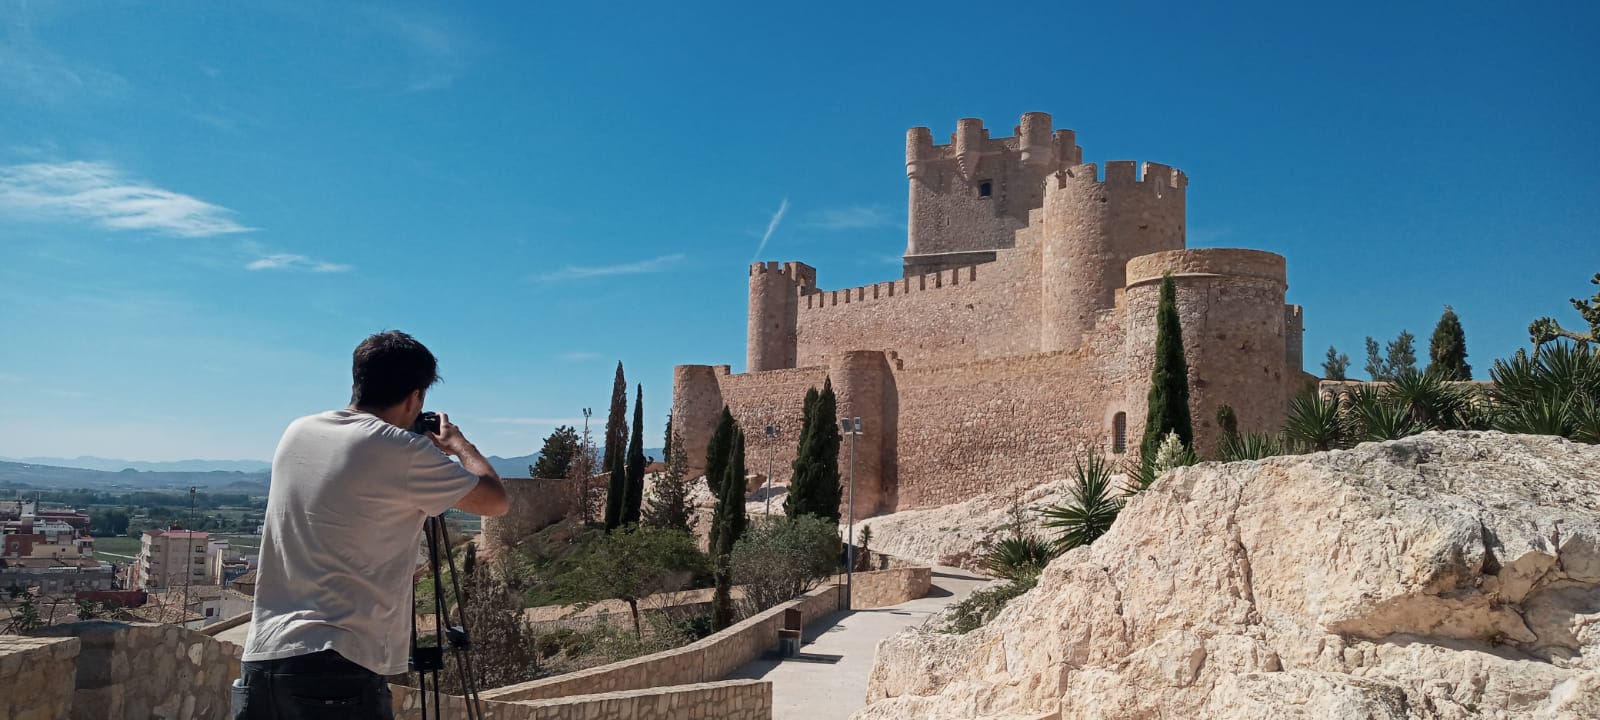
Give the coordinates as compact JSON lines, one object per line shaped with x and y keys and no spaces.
{"x":350,"y":491}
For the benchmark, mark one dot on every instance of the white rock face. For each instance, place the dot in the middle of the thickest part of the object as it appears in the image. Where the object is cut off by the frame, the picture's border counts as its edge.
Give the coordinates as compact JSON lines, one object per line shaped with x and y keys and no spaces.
{"x":958,"y":535}
{"x":1448,"y":575}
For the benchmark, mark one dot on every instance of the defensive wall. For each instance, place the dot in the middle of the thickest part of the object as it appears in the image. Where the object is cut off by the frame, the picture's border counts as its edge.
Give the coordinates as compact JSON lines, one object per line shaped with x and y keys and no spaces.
{"x":999,"y":372}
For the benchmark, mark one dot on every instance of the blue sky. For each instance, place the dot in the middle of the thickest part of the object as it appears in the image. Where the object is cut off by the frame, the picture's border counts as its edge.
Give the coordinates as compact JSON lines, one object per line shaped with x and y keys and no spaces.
{"x":204,"y":206}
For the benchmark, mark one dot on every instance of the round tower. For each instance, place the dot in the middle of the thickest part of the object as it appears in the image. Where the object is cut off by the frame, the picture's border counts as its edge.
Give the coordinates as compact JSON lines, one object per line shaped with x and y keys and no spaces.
{"x":919,"y":154}
{"x":1231,"y":309}
{"x":862,"y":382}
{"x":696,"y":406}
{"x":1092,"y":229}
{"x":774,"y":313}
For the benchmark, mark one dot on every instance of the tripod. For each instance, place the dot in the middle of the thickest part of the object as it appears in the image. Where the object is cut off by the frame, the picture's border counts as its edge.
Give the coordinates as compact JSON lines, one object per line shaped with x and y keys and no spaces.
{"x":428,"y":660}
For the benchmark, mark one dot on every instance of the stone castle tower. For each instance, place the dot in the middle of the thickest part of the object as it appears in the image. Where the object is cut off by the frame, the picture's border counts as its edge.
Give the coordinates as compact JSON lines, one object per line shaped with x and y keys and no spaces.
{"x":1021,"y":333}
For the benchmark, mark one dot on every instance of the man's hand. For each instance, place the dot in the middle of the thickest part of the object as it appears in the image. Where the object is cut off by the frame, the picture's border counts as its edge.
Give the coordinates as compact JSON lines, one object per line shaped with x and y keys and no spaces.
{"x":449,"y":438}
{"x":489,"y":496}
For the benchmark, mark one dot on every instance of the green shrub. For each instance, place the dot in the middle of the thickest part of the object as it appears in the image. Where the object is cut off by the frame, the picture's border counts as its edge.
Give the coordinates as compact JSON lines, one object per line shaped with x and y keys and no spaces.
{"x":983,"y":605}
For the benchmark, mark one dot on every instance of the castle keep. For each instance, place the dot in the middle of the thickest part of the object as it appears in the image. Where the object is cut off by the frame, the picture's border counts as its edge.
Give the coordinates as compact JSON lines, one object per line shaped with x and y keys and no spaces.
{"x":1020,"y":335}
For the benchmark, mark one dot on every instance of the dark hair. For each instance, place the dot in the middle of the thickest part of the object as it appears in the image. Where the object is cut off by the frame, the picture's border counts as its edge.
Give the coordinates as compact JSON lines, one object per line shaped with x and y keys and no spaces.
{"x":387,"y":367}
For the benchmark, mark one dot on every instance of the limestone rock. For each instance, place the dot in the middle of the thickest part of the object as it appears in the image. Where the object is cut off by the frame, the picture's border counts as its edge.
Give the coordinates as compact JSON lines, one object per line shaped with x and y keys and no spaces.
{"x":958,"y":535}
{"x":1447,"y":575}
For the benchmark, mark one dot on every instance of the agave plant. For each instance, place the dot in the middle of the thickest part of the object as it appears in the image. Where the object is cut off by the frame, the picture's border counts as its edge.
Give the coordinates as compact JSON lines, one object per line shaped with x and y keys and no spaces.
{"x":1429,"y":400}
{"x":1251,"y":446}
{"x":1555,"y":391}
{"x":1315,"y":423}
{"x":1155,"y":462}
{"x":1094,"y":506}
{"x":1019,"y":557}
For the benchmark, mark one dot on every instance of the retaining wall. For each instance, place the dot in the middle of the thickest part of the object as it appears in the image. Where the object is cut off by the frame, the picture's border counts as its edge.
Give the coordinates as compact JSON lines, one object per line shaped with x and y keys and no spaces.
{"x":37,"y":677}
{"x":729,"y":700}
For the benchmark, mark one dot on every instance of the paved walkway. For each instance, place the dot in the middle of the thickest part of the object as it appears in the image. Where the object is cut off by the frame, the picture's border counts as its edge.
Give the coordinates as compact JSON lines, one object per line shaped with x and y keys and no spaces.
{"x":822,"y":691}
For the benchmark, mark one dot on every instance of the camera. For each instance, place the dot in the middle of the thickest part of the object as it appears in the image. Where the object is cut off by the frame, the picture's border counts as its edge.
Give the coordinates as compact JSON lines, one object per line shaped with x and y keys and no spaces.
{"x":427,"y":422}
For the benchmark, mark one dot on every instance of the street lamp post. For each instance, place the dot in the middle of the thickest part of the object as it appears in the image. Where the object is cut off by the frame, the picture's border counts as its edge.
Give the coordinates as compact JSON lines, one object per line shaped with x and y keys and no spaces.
{"x":772,"y":444}
{"x":852,"y":428}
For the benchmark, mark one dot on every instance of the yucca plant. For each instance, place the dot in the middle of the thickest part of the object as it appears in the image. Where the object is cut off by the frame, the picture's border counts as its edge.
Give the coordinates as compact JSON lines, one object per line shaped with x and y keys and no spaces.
{"x":1315,"y":424}
{"x":1018,"y":558}
{"x":1093,"y":508}
{"x":1155,"y":462}
{"x":1383,"y":419}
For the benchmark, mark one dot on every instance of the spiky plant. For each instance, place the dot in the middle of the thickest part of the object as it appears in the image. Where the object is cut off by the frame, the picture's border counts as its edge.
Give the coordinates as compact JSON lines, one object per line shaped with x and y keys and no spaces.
{"x":1018,"y":558}
{"x":1093,"y":508}
{"x":1429,"y":400}
{"x":1252,"y":446}
{"x":1554,"y":391}
{"x":1315,"y":424}
{"x":1155,"y":462}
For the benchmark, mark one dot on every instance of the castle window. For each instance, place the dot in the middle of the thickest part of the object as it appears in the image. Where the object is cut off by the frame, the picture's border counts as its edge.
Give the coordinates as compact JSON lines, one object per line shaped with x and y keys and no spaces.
{"x":985,"y":188}
{"x":1119,"y":433}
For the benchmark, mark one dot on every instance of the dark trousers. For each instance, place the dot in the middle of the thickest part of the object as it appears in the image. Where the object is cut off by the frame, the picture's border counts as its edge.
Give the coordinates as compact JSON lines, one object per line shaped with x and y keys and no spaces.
{"x":313,"y":687}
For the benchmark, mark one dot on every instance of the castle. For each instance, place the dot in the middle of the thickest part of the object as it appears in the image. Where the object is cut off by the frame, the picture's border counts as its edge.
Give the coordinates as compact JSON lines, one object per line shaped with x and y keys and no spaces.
{"x":1020,"y":335}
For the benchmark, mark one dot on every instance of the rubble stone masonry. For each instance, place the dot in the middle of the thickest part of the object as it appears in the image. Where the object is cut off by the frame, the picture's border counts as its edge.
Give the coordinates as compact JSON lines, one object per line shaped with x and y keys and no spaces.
{"x":996,"y":374}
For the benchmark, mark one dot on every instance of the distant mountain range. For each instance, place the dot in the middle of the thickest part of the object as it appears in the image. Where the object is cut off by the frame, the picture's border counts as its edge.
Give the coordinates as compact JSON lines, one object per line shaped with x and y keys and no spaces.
{"x":89,"y":462}
{"x":237,"y":476}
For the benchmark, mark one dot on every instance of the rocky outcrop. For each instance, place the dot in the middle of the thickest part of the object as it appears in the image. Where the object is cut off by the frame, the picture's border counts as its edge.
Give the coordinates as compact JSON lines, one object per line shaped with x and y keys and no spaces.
{"x":960,"y":535}
{"x":1447,"y":575}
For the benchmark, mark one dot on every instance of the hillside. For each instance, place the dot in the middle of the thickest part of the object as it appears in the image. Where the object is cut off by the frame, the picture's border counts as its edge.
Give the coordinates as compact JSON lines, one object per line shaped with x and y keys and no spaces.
{"x":14,"y":475}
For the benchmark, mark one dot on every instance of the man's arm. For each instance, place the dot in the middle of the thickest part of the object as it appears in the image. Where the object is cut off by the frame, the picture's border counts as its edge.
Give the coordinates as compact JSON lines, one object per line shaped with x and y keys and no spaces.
{"x":488,"y":497}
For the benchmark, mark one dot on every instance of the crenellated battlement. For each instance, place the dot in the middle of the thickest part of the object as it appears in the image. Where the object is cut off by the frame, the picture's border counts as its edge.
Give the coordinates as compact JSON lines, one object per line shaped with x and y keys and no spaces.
{"x":1033,"y":140}
{"x":798,"y":273}
{"x":1119,"y":173}
{"x":952,"y":278}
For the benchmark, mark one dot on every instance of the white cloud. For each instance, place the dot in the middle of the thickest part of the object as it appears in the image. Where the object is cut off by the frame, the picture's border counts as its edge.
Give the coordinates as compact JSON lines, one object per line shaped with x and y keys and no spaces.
{"x":772,"y":225}
{"x":653,"y":265}
{"x":10,"y":379}
{"x":290,"y":261}
{"x":579,"y":355}
{"x":102,"y":194}
{"x":438,"y":46}
{"x":853,"y":218}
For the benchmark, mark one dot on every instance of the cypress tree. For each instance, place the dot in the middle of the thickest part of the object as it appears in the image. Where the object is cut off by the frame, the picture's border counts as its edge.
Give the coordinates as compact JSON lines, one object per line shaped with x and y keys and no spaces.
{"x":616,"y":492}
{"x":635,"y":477}
{"x":1169,"y":382}
{"x":717,"y":451}
{"x":616,"y":421}
{"x":814,"y":486}
{"x":1447,"y":349}
{"x":666,"y":442}
{"x":727,"y":524}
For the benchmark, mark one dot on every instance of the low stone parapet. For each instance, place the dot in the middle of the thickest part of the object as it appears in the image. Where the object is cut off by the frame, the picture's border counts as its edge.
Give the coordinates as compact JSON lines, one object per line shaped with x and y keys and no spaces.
{"x":727,"y":700}
{"x":36,"y":675}
{"x":882,"y":588}
{"x":707,"y":660}
{"x":144,"y":670}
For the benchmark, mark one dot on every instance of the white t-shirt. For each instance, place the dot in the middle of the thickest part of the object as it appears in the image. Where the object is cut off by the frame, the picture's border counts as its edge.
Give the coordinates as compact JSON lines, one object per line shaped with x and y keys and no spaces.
{"x":343,"y":524}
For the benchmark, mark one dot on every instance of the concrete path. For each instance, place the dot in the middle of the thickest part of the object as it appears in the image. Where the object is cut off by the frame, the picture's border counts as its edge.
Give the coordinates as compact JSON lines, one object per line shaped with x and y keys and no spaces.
{"x":821,"y":691}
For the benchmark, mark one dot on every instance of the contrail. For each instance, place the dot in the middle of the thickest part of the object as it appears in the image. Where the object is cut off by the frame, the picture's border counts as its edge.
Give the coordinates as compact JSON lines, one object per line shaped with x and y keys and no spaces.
{"x":777,"y":217}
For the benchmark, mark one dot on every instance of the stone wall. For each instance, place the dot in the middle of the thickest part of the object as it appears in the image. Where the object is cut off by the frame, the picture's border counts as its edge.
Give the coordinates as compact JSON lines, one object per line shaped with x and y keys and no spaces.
{"x":37,"y":677}
{"x":535,"y":504}
{"x":143,"y":670}
{"x":726,"y":700}
{"x":708,"y":660}
{"x":882,"y":588}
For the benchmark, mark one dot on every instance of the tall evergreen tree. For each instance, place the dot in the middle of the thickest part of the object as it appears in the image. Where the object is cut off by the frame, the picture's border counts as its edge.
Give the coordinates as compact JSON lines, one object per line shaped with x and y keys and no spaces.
{"x":560,"y":447}
{"x":1168,"y":401}
{"x":617,"y":492}
{"x":666,"y":442}
{"x":616,"y":422}
{"x":669,"y":506}
{"x":1447,"y":349}
{"x":1376,"y":368}
{"x":1402,"y":355}
{"x":636,"y":461}
{"x":727,"y":525}
{"x":814,"y":486}
{"x":1334,"y":367}
{"x":717,"y":452}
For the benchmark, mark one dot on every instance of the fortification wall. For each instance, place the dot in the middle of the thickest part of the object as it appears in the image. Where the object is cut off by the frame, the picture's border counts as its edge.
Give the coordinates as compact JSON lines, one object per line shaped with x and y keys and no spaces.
{"x":1001,"y":424}
{"x":951,"y":316}
{"x":535,"y":504}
